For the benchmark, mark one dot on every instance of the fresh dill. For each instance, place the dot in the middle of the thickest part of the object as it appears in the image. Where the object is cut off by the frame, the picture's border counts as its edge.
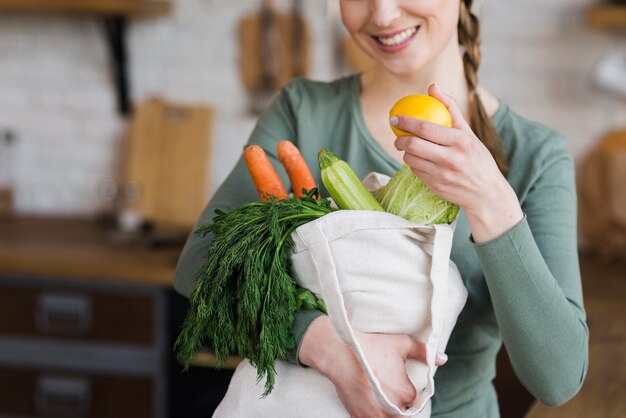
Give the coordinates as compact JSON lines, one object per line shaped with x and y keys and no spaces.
{"x":244,"y":297}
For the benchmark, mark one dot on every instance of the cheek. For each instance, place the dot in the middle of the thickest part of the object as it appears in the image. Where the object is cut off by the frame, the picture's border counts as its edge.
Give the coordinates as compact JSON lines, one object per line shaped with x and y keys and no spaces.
{"x":441,"y":21}
{"x":438,"y":7}
{"x":353,"y":15}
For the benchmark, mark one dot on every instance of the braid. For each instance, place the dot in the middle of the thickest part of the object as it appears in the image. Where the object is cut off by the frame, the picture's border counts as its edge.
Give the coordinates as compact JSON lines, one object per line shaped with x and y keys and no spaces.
{"x":469,"y":39}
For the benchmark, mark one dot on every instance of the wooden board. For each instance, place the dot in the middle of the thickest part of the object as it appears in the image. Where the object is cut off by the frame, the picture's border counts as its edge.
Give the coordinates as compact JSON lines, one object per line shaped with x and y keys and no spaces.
{"x":167,"y":164}
{"x":206,"y":358}
{"x":607,"y":16}
{"x":602,"y":203}
{"x":101,"y":7}
{"x":288,"y":62}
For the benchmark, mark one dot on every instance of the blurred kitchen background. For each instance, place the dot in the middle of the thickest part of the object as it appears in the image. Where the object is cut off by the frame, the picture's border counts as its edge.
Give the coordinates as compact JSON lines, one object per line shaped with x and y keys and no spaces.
{"x":119,"y":118}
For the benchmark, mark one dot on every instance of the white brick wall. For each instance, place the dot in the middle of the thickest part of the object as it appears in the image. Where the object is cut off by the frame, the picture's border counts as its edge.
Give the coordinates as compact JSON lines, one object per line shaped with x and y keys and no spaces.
{"x":539,"y":57}
{"x":56,"y":92}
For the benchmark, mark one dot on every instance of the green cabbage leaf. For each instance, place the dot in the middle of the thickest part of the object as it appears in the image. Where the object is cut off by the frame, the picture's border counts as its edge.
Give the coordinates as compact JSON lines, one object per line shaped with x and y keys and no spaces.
{"x":407,"y":196}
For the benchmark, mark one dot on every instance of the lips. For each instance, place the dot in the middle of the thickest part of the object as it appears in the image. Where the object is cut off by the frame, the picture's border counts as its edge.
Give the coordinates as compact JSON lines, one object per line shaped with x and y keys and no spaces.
{"x":396,"y":41}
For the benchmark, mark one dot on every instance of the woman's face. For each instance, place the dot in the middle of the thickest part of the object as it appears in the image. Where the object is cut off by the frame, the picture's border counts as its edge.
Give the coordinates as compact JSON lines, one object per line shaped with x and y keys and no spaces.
{"x":402,"y":35}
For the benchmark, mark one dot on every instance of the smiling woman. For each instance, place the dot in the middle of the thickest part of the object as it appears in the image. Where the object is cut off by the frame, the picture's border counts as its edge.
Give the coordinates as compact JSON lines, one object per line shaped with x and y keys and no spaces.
{"x":515,"y":237}
{"x":401,"y":36}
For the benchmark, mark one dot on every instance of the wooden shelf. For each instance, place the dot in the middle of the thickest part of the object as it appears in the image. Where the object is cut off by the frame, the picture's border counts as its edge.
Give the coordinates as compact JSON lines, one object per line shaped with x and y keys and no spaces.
{"x":80,"y":249}
{"x":97,"y":7}
{"x":607,"y":16}
{"x":206,"y":358}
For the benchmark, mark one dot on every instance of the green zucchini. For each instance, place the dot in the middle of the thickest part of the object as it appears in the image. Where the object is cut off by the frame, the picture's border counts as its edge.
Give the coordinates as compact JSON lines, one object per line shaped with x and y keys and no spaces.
{"x":343,"y":185}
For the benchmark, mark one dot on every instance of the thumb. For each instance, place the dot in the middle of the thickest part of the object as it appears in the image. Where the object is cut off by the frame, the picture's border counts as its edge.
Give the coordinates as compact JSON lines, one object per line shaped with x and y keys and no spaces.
{"x":458,"y":121}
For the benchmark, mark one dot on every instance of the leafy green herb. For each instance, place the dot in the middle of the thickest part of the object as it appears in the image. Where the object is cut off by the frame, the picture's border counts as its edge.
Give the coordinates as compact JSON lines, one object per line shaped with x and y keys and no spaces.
{"x":244,"y":298}
{"x":305,"y":299}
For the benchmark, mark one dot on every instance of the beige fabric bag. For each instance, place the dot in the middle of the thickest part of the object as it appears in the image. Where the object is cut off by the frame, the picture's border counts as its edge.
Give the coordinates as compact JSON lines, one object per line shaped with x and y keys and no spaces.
{"x":377,"y":272}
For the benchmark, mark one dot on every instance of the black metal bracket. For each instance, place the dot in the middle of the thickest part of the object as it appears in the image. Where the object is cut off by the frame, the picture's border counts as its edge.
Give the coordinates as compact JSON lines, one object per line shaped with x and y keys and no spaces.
{"x":116,"y":29}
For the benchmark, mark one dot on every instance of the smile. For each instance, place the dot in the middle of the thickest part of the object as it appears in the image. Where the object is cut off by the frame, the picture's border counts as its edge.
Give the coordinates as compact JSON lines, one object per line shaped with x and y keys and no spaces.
{"x":398,"y":38}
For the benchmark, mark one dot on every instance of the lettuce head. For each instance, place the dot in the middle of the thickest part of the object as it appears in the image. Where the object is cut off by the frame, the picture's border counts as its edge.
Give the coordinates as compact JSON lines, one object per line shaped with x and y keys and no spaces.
{"x":407,"y":196}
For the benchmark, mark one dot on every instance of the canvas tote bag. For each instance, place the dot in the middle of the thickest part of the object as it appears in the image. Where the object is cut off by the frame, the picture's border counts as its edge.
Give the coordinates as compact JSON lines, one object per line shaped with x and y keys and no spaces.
{"x":377,"y":272}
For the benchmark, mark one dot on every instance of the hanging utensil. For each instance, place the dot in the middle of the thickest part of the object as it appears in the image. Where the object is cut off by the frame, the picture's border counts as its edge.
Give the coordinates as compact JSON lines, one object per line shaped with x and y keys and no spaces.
{"x":273,"y":50}
{"x":264,"y":92}
{"x":298,"y":64}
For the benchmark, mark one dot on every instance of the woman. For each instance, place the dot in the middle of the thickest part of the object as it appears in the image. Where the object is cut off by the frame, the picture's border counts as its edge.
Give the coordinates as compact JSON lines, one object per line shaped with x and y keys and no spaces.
{"x":515,"y":240}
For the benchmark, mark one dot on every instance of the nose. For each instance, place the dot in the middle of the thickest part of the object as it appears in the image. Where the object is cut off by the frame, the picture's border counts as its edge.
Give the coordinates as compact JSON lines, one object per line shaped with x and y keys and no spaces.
{"x":384,"y":12}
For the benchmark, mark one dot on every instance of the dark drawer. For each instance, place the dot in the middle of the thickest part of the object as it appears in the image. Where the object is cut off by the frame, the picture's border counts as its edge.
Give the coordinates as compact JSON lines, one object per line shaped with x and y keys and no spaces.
{"x":28,"y":393}
{"x":79,"y":315}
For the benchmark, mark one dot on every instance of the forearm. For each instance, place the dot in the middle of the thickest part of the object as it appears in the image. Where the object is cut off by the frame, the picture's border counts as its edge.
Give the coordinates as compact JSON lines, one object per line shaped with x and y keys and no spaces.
{"x":301,"y":325}
{"x":544,"y":332}
{"x":488,"y":220}
{"x":322,"y":347}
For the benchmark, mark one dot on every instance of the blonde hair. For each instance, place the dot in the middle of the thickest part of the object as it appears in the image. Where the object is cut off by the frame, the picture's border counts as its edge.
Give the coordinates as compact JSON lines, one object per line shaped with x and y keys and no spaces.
{"x":469,"y":39}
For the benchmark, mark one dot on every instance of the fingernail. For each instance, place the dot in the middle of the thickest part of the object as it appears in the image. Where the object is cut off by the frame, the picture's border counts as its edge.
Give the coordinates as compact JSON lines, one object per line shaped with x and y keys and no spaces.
{"x":394,"y":120}
{"x":437,"y":86}
{"x":442,"y":358}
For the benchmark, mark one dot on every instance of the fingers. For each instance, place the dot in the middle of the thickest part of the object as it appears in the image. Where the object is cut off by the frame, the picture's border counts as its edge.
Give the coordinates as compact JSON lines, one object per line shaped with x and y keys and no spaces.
{"x":421,"y":148}
{"x":421,"y":167}
{"x":438,"y":134}
{"x":432,"y":132}
{"x":409,"y":393}
{"x":437,"y":166}
{"x":441,"y":359}
{"x":458,"y":121}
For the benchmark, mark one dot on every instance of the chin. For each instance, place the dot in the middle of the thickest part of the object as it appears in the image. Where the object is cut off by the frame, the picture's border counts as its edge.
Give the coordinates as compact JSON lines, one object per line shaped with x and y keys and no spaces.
{"x":402,"y":68}
{"x":409,"y":63}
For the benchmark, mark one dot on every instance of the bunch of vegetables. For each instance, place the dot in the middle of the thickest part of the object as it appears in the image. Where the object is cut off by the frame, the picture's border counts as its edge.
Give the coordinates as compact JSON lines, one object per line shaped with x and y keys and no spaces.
{"x":244,"y":297}
{"x":405,"y":195}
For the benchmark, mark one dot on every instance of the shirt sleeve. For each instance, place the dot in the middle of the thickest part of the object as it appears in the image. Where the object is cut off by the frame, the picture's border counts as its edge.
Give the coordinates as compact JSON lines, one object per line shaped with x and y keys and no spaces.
{"x":277,"y":123}
{"x":533,"y":277}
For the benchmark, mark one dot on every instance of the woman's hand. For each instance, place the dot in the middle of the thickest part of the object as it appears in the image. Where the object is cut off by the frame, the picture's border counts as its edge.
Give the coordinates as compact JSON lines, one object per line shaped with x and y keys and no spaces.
{"x":322,"y":349}
{"x":459,"y":168}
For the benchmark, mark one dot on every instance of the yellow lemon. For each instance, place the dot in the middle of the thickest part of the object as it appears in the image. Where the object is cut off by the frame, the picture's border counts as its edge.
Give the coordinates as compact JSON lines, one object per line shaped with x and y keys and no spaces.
{"x":422,"y":107}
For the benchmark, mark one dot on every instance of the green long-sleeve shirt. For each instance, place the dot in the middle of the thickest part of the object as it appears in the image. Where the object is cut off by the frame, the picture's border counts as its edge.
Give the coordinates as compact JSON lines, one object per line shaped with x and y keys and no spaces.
{"x":524,"y":286}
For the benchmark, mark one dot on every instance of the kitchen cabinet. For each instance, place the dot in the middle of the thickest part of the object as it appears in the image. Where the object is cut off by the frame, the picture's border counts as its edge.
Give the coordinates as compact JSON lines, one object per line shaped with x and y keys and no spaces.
{"x":87,"y":323}
{"x":83,"y":322}
{"x":81,"y":349}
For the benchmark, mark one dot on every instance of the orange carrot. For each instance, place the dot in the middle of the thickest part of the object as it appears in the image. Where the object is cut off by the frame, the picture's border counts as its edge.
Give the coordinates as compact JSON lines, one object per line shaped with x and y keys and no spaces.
{"x":297,"y":169}
{"x":266,"y":181}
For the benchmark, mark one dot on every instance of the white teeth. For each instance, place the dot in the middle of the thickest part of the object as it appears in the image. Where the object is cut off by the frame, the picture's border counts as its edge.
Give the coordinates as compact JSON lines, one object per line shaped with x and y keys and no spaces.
{"x":398,"y":38}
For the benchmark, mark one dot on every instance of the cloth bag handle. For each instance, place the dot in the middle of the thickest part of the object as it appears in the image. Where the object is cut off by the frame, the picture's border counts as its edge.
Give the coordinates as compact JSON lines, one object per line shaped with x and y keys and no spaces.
{"x":318,"y":243}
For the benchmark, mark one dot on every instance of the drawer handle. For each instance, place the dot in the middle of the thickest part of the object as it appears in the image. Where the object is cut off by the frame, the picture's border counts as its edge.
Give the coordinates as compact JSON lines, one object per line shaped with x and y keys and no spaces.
{"x":62,"y":397}
{"x":60,"y":314}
